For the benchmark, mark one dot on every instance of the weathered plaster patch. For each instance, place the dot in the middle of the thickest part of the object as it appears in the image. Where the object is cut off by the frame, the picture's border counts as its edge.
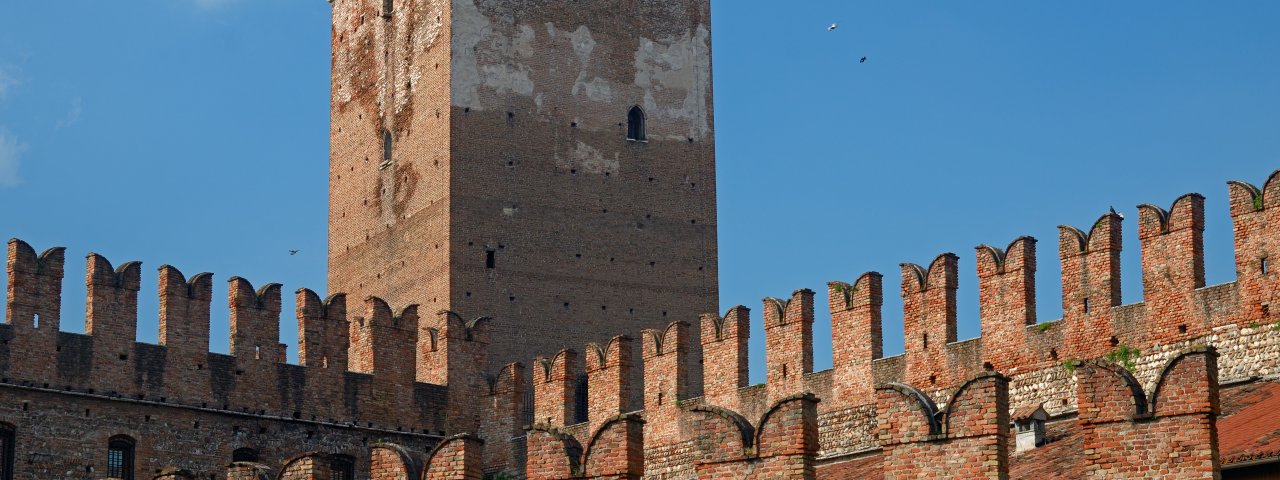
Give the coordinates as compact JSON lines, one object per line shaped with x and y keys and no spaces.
{"x":508,"y":78}
{"x":470,"y":27}
{"x":472,"y":69}
{"x":597,"y":89}
{"x":588,"y":159}
{"x":672,"y":66}
{"x":583,"y":44}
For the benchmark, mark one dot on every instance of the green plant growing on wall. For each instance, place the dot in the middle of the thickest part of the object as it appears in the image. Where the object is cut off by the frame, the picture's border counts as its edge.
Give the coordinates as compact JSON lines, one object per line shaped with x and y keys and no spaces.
{"x":1070,"y":366}
{"x":499,"y":476}
{"x":1126,"y":356}
{"x":1044,"y":327}
{"x":1257,"y":202}
{"x":846,"y":290}
{"x":1253,"y":325}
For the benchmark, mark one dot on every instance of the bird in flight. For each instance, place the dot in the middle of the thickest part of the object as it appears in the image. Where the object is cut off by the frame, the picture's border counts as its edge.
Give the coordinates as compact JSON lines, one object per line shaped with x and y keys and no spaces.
{"x":293,"y":252}
{"x":862,"y":60}
{"x":833,"y":27}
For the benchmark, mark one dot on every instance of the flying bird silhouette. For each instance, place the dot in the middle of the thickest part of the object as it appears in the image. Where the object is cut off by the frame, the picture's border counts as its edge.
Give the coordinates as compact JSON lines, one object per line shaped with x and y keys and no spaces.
{"x":862,"y":60}
{"x":833,"y":27}
{"x":293,"y":252}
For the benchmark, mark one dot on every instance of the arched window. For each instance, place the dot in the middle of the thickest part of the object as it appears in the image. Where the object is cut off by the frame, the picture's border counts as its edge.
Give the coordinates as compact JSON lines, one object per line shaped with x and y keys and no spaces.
{"x":8,"y":435}
{"x":635,"y":124}
{"x":120,"y":457}
{"x":244,"y":455}
{"x":343,"y":467}
{"x":386,"y":146}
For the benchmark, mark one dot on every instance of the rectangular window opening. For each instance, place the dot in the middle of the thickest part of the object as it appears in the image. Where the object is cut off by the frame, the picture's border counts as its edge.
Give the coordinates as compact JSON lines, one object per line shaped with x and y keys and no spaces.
{"x":7,"y":438}
{"x":490,"y":259}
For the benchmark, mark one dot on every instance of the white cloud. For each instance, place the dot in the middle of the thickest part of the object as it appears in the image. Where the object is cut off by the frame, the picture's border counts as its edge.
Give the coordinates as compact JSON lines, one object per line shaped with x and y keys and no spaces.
{"x":10,"y":153}
{"x":73,"y":115}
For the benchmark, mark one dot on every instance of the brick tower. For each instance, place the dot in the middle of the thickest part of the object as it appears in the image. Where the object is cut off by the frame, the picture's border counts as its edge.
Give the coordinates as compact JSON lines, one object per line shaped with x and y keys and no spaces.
{"x":550,"y":164}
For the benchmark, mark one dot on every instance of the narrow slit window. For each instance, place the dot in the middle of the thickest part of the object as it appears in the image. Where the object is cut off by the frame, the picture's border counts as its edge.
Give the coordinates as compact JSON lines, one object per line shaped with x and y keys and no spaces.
{"x":35,"y":321}
{"x":490,"y":259}
{"x":387,"y":7}
{"x":635,"y":125}
{"x":1262,"y":265}
{"x":120,"y":457}
{"x":386,"y":146}
{"x":1086,"y":305}
{"x":926,"y":341}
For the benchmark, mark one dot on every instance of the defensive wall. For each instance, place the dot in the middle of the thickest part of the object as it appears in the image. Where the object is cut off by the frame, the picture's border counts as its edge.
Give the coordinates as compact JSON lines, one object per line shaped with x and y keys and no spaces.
{"x":1141,"y":379}
{"x":64,"y":394}
{"x":943,"y":400}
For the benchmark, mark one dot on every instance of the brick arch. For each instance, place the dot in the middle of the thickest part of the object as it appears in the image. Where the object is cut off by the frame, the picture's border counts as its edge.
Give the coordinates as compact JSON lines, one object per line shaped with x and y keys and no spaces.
{"x":951,"y":409}
{"x":456,"y":457}
{"x":297,"y":465}
{"x":741,"y":425}
{"x":569,"y":452}
{"x":249,"y":471}
{"x":1121,"y":380}
{"x":395,"y":462}
{"x":1182,"y":361}
{"x":174,"y":473}
{"x":624,"y":421}
{"x":919,"y":401}
{"x":762,"y":425}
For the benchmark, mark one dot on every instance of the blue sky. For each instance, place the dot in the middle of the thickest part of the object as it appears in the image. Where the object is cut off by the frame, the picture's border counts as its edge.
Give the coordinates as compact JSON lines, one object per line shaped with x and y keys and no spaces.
{"x":195,"y":133}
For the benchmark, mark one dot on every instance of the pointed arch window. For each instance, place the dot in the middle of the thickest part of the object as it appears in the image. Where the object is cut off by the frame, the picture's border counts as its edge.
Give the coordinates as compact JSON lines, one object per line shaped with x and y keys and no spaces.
{"x":635,"y":125}
{"x":120,"y":457}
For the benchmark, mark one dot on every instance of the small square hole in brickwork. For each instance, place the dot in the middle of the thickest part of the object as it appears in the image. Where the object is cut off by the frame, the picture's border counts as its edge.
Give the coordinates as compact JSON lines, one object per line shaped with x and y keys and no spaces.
{"x":566,"y":305}
{"x":1115,"y":341}
{"x":1182,"y":329}
{"x":933,"y":379}
{"x":1053,"y":353}
{"x":124,"y":356}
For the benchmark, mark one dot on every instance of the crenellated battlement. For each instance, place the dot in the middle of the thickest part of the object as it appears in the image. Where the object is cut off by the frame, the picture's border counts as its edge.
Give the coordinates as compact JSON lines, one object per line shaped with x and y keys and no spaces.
{"x":1017,"y":361}
{"x":358,"y":369}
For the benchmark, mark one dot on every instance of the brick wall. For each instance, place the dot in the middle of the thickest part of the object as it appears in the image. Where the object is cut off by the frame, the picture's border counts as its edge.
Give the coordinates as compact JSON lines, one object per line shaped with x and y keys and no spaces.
{"x":1170,"y":433}
{"x":967,"y":439}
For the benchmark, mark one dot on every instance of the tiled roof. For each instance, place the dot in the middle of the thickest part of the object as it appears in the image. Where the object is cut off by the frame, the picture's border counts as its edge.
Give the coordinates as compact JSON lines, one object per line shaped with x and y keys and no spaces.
{"x":1249,"y":428}
{"x":1061,"y":458}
